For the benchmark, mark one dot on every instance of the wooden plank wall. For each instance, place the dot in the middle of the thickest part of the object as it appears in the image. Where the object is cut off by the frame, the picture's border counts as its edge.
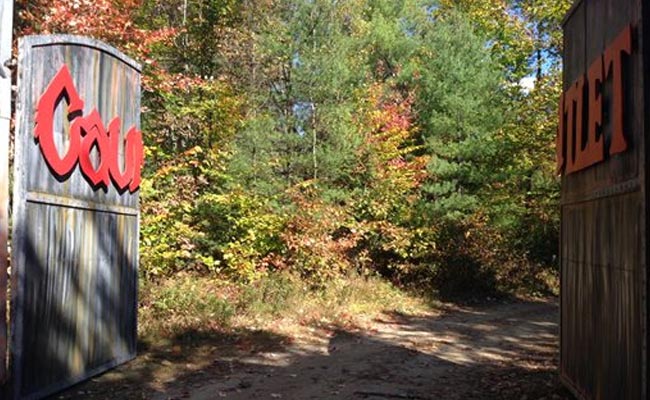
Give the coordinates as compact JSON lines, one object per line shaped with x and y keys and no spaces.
{"x":75,"y":249}
{"x":603,"y":229}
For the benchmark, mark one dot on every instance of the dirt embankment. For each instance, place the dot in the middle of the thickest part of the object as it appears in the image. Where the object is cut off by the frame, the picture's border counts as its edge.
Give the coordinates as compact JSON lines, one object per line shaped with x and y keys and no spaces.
{"x":496,"y":351}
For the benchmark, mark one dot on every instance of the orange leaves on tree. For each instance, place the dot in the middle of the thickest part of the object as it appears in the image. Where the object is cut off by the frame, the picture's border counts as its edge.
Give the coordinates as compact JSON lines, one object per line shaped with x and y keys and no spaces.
{"x":390,"y":141}
{"x":111,"y":21}
{"x":321,"y":238}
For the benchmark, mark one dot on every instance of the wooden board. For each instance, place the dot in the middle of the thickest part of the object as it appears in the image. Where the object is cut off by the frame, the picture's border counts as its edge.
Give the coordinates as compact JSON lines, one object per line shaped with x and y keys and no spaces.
{"x":604,"y":226}
{"x":75,"y":247}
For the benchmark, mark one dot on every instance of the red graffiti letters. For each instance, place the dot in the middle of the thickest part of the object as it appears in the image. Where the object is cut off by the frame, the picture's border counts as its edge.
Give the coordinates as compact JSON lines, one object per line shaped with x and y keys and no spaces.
{"x":86,"y":133}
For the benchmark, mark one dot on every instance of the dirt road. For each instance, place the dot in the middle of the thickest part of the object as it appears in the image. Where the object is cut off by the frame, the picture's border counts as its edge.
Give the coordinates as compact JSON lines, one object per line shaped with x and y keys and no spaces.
{"x":497,"y":351}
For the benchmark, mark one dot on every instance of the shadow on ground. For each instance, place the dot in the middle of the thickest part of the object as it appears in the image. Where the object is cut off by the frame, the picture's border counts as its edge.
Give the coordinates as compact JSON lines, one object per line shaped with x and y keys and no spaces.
{"x":498,"y":351}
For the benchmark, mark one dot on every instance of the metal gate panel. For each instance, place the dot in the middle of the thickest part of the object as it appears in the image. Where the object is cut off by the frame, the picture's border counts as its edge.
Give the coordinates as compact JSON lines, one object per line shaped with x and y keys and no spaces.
{"x":75,"y":243}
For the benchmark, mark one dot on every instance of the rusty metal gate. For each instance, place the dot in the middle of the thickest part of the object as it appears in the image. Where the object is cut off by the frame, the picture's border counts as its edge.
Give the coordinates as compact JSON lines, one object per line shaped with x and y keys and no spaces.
{"x":78,"y":154}
{"x":602,"y":150}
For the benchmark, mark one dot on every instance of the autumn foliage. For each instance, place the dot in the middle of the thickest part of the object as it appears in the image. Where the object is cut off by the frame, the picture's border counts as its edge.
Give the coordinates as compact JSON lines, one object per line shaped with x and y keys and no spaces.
{"x":107,"y":20}
{"x":318,"y":138}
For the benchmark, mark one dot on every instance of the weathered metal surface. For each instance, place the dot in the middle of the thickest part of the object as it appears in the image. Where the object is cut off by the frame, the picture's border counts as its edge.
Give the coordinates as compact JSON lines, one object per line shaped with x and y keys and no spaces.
{"x":604,"y":225}
{"x":6,"y":23}
{"x":75,"y":246}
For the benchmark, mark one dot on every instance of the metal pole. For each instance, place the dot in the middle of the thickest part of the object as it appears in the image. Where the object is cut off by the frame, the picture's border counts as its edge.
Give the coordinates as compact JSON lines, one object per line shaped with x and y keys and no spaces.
{"x":6,"y":32}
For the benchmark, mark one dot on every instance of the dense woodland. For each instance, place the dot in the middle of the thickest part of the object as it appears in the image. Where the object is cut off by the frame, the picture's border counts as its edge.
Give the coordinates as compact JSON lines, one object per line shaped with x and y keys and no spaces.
{"x":407,"y":139}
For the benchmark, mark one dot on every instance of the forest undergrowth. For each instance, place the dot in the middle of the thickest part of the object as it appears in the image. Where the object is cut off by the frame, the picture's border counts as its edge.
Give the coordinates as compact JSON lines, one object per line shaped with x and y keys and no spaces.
{"x":322,"y":160}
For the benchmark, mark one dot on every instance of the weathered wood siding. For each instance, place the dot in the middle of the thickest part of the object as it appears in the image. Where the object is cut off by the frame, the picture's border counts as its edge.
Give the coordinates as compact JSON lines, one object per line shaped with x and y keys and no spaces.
{"x":75,"y":249}
{"x":603,"y":229}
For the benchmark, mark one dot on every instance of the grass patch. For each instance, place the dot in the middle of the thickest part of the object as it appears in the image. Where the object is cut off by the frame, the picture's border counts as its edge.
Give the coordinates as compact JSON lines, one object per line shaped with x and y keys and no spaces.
{"x":186,"y":303}
{"x":195,"y":303}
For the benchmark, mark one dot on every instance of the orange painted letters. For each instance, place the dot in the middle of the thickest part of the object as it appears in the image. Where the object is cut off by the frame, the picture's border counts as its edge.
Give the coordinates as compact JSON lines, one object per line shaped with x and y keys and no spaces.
{"x":614,"y":68}
{"x":560,"y":137}
{"x":593,"y":150}
{"x":576,"y":150}
{"x":574,"y":106}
